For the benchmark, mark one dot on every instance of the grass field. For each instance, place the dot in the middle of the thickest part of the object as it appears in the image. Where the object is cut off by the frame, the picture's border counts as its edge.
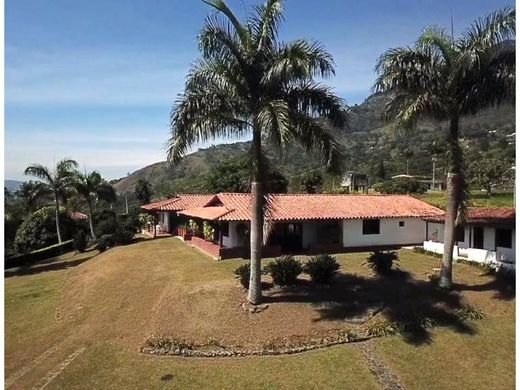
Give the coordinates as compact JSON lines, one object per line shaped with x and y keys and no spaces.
{"x":477,"y":199}
{"x":76,"y":322}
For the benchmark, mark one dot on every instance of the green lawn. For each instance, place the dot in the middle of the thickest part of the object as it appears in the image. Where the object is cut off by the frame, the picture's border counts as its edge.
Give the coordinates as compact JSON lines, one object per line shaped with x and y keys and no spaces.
{"x":478,"y":199}
{"x":112,"y":301}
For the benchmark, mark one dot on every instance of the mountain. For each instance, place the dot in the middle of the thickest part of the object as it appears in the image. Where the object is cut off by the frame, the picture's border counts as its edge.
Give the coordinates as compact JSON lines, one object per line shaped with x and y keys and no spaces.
{"x":12,"y":185}
{"x":368,"y":141}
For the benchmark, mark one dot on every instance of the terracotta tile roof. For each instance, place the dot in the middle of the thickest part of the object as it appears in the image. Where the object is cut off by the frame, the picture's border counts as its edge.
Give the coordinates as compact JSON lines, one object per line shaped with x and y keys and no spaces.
{"x":78,"y":216}
{"x":180,"y":202}
{"x":210,"y":213}
{"x":323,"y":206}
{"x":485,"y":215}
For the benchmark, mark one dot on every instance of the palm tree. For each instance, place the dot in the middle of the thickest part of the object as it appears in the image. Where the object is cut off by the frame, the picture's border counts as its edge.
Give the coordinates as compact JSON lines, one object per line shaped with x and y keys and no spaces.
{"x":441,"y":78}
{"x":30,"y":193}
{"x":249,"y":82}
{"x":92,"y":187}
{"x":56,"y":182}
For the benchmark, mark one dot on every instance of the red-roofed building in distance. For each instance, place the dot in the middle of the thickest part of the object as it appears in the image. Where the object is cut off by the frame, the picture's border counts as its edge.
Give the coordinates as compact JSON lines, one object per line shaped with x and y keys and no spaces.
{"x":297,"y":223}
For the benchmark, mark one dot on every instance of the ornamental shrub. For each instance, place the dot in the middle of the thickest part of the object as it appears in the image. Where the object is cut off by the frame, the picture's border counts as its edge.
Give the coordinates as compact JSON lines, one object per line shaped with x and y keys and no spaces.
{"x":242,"y":273}
{"x":321,"y":268}
{"x":284,"y":270}
{"x":80,"y":241}
{"x":381,"y":262}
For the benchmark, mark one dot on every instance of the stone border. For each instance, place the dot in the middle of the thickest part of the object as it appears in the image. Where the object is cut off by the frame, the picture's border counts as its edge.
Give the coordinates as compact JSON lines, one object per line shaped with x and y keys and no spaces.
{"x":229,"y":352}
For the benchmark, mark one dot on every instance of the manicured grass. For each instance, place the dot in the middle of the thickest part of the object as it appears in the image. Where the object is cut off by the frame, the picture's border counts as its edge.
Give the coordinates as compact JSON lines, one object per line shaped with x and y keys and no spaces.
{"x":110,"y":303}
{"x":478,"y":199}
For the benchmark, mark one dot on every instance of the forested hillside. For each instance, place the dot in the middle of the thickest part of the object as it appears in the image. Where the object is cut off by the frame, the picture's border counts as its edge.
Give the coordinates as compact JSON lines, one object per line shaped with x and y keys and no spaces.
{"x":370,"y":143}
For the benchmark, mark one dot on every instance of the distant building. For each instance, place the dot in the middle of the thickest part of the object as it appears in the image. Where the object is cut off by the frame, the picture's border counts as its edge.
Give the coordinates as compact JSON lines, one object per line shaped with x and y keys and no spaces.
{"x":438,"y":185}
{"x":355,"y":181}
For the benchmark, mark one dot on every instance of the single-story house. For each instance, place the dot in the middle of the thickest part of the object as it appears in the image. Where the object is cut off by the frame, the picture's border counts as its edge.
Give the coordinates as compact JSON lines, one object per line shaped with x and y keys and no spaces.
{"x":298,"y":223}
{"x":488,"y":236}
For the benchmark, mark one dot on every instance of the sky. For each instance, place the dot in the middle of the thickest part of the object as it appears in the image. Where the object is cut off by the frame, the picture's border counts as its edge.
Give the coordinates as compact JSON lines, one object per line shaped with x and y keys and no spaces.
{"x":95,"y":80}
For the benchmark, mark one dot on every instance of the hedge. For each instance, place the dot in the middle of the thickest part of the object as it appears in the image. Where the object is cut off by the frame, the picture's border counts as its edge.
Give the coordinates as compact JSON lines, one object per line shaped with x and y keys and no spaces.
{"x":40,"y":254}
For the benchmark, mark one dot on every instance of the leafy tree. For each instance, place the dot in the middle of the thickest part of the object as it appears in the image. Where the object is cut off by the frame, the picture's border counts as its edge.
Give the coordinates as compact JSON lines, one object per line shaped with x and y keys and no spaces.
{"x":143,"y":191}
{"x":441,"y":78}
{"x":488,"y":173}
{"x":234,"y":175}
{"x":38,"y":230}
{"x":92,"y":188}
{"x":249,"y":82}
{"x":231,"y":175}
{"x":56,"y":182}
{"x":311,"y":182}
{"x":380,"y":170}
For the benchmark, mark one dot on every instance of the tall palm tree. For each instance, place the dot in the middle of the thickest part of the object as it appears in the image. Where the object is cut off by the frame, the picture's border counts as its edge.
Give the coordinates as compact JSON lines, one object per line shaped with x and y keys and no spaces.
{"x":247,"y":81}
{"x":56,"y":182}
{"x":441,"y":78}
{"x":92,"y":187}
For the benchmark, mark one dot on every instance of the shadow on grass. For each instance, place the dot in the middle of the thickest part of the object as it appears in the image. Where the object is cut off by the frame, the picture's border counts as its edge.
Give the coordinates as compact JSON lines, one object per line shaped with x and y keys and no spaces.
{"x":52,"y":264}
{"x":502,"y":285}
{"x":398,"y":297}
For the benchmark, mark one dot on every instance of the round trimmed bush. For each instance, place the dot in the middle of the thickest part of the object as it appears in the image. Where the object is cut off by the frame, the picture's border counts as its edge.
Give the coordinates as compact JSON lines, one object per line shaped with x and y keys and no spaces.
{"x":322,"y":268}
{"x":242,"y":273}
{"x":284,"y":270}
{"x":105,"y":242}
{"x":123,"y":237}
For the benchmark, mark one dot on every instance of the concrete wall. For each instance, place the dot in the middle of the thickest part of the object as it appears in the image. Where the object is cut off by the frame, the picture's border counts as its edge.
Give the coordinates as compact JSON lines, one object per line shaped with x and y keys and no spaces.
{"x":435,"y":232}
{"x":390,"y":233}
{"x":232,"y":239}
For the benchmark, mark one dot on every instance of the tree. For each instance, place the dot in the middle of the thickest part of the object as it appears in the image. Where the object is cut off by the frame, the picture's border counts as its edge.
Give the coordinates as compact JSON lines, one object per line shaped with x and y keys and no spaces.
{"x":231,"y":175}
{"x":248,"y":82}
{"x":407,"y":153}
{"x":380,"y":170}
{"x":441,"y":78}
{"x":56,"y":182}
{"x":311,"y":182}
{"x":488,"y":173}
{"x":30,"y":193}
{"x":234,"y":175}
{"x":92,"y":187}
{"x":143,"y":191}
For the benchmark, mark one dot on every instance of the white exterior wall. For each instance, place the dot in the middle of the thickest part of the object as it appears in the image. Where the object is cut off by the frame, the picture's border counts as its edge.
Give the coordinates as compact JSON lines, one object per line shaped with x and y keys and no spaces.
{"x":232,"y":240}
{"x":414,"y":231}
{"x":435,"y":232}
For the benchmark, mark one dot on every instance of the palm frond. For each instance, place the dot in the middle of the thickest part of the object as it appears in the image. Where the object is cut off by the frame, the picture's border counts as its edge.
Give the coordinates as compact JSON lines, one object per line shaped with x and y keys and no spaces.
{"x":489,"y":31}
{"x":41,"y":172}
{"x":265,"y":22}
{"x":296,"y":61}
{"x":273,"y":118}
{"x":317,"y":101}
{"x":222,"y":7}
{"x":316,"y":137}
{"x":437,"y":39}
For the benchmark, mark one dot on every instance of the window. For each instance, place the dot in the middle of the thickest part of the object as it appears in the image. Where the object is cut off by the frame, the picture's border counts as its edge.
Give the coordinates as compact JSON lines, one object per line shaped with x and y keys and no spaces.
{"x":401,"y":223}
{"x":370,"y":226}
{"x":503,"y":238}
{"x":459,"y":233}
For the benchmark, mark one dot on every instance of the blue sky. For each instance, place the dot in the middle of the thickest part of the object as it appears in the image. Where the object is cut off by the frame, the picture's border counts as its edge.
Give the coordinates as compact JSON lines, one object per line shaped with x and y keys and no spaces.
{"x":94,"y":79}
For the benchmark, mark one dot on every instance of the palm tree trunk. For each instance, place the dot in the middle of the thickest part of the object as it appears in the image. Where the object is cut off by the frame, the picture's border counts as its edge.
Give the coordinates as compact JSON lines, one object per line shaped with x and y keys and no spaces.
{"x":57,"y":217}
{"x":90,"y":221}
{"x":255,"y":283}
{"x":453,"y":197}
